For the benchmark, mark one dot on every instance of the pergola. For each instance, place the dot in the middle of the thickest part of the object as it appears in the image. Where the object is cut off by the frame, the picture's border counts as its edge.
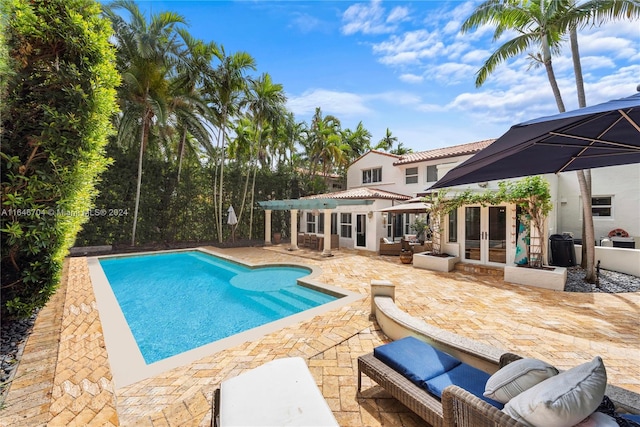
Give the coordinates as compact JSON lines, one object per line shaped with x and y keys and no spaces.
{"x":294,"y":205}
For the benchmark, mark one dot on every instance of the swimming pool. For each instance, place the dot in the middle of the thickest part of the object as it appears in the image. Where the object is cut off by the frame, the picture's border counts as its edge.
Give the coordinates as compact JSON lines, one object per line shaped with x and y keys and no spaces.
{"x":175,"y":302}
{"x":128,"y":365}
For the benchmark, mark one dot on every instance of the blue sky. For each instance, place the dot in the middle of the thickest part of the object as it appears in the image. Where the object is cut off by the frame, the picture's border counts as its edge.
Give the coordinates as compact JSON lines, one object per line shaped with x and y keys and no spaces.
{"x":405,"y":66}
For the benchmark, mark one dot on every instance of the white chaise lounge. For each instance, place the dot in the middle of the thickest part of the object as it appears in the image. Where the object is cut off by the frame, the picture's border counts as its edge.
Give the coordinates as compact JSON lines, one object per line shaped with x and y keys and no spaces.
{"x":279,"y":393}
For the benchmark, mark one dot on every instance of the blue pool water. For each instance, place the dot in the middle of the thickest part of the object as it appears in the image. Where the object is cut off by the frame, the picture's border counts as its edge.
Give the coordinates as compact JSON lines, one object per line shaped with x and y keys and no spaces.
{"x":179,"y":301}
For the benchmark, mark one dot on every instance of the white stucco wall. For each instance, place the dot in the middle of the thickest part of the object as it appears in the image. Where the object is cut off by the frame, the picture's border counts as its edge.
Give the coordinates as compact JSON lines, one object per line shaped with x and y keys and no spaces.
{"x":620,"y":182}
{"x":393,"y":177}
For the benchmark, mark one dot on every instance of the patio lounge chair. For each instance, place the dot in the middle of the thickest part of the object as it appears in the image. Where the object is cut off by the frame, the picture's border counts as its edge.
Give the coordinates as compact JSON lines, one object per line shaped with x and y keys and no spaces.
{"x":385,"y":367}
{"x":279,"y":393}
{"x":446,"y":392}
{"x":391,"y":248}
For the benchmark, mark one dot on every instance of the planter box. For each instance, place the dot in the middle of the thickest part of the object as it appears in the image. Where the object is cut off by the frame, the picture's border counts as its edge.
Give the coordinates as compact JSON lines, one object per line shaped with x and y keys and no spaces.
{"x":436,"y":263}
{"x":552,"y":278}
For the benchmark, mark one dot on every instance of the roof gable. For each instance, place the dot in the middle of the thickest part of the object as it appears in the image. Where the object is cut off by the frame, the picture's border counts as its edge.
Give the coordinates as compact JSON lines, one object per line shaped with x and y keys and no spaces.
{"x":444,"y":152}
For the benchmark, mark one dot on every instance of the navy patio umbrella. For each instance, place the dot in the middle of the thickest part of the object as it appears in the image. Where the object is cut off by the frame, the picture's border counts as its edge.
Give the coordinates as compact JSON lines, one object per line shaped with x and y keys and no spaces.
{"x":602,"y":135}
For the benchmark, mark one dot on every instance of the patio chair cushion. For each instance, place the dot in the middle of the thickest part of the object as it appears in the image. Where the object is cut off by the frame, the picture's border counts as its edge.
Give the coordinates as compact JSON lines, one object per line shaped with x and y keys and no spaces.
{"x":562,"y":400}
{"x":469,"y":378}
{"x":598,"y":419}
{"x":415,"y":360}
{"x":517,"y":377}
{"x":632,"y":417}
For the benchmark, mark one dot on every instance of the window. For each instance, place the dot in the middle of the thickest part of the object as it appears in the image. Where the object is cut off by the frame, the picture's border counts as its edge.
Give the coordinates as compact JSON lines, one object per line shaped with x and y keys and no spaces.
{"x":411,"y":176}
{"x":321,"y":223}
{"x":432,"y":173}
{"x":371,"y":175}
{"x":311,"y":223}
{"x":407,"y":225}
{"x":453,"y":226}
{"x":345,"y":225}
{"x":601,"y":206}
{"x":389,"y":224}
{"x":334,"y":223}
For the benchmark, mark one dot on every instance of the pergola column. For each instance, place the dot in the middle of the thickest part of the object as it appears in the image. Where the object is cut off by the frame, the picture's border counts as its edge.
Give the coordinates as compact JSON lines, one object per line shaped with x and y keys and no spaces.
{"x":327,"y":233}
{"x":267,"y":226}
{"x":294,"y":230}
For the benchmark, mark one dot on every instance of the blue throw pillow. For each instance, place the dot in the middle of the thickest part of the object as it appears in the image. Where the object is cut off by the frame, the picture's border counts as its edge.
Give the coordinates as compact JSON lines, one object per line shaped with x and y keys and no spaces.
{"x":467,"y":377}
{"x":416,"y":360}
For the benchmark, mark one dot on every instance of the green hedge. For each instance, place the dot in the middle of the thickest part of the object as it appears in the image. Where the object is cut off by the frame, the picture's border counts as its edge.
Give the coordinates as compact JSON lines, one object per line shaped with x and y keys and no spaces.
{"x":56,"y":115}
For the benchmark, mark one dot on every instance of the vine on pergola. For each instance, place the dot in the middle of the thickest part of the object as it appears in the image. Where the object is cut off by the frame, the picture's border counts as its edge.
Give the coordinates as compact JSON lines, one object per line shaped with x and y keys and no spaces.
{"x":532,"y":194}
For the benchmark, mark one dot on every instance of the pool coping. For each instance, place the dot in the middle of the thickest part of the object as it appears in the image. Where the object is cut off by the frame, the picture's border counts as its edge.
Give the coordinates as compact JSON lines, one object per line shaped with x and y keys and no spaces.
{"x":128,"y":365}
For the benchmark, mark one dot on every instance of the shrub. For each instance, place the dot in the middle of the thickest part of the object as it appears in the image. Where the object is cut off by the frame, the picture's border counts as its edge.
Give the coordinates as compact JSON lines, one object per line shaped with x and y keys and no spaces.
{"x":56,"y":118}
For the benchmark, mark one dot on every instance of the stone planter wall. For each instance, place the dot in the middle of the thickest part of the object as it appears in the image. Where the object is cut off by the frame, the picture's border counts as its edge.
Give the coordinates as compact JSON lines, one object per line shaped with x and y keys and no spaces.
{"x":555,"y":278}
{"x":436,"y":263}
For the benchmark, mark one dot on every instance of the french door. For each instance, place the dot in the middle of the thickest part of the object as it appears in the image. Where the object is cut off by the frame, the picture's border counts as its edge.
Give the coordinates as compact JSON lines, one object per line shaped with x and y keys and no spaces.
{"x":361,"y":230}
{"x":485,"y":234}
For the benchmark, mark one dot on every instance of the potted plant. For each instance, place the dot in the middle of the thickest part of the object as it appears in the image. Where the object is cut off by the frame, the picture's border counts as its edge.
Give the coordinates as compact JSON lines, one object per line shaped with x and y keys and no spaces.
{"x":421,"y":227}
{"x":436,"y":260}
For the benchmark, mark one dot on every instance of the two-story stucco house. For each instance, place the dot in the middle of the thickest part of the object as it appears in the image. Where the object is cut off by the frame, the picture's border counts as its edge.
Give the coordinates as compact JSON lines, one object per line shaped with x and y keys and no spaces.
{"x":477,"y":234}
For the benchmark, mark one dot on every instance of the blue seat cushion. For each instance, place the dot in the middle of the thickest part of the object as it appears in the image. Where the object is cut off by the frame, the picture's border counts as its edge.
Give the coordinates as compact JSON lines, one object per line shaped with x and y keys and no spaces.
{"x":467,"y":377}
{"x":632,"y":417}
{"x":415,"y":360}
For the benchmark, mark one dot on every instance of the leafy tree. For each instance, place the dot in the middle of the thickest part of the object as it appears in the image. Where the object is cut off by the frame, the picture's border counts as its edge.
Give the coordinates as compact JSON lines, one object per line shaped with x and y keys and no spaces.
{"x":532,"y":22}
{"x":359,"y":142}
{"x":401,"y":150}
{"x":265,"y":103}
{"x":227,"y":94}
{"x":56,"y":118}
{"x":147,"y":52}
{"x":386,"y":143}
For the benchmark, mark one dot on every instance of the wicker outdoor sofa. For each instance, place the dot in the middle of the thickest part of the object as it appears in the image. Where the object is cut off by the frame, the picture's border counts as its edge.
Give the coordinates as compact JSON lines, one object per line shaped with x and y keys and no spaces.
{"x":456,"y":404}
{"x":408,"y":375}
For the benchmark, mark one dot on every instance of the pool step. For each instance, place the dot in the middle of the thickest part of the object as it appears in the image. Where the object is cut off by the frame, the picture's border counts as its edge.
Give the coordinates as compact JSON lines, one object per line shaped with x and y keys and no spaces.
{"x":308,"y":296}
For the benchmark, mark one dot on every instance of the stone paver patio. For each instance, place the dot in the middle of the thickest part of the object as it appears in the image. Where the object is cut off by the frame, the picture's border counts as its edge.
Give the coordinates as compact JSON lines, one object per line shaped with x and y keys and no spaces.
{"x":64,"y":378}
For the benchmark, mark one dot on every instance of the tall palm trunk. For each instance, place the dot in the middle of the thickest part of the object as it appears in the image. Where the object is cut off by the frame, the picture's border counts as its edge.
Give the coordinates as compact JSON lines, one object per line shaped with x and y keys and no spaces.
{"x":588,"y":228}
{"x":577,"y":67}
{"x":183,"y":141}
{"x":546,"y":52}
{"x":222,"y":153}
{"x":143,"y":138}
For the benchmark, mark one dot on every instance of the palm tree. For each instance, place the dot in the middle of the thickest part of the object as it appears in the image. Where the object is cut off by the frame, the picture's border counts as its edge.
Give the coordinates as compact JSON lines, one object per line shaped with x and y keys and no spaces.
{"x":191,"y":109}
{"x":359,"y":141}
{"x":401,"y":150}
{"x":266,"y":101}
{"x":533,"y":23}
{"x":323,"y":144}
{"x":227,"y":92}
{"x":593,"y":12}
{"x":544,"y":23}
{"x":147,"y":52}
{"x":386,"y":143}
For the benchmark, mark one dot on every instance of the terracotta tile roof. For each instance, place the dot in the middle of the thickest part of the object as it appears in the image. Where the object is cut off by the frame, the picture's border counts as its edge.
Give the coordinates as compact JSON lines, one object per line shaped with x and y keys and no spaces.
{"x":384,"y":153}
{"x":441,"y":153}
{"x":360,"y":193}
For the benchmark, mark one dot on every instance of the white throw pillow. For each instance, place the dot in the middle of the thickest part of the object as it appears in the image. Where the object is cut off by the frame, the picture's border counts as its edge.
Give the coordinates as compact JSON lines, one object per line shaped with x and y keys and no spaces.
{"x":562,"y":400}
{"x":598,"y":419}
{"x":517,"y":377}
{"x":384,"y":239}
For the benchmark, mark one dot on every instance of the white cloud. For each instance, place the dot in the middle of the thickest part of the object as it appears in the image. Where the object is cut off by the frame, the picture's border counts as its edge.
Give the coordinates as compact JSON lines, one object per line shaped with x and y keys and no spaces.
{"x":306,"y":23}
{"x":408,"y":48}
{"x":451,"y":73}
{"x":396,"y":98}
{"x":411,"y":78}
{"x":331,"y":102}
{"x":476,"y":56}
{"x":367,"y":19}
{"x":398,"y":14}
